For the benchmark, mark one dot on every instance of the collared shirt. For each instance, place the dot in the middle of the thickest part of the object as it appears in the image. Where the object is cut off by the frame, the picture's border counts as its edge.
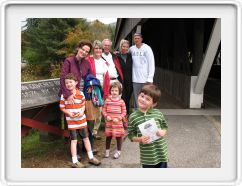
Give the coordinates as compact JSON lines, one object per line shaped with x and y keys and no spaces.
{"x":111,"y":67}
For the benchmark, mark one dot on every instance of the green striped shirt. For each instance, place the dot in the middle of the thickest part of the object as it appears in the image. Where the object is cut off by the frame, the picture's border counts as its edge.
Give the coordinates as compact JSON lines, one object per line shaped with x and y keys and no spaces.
{"x":153,"y":153}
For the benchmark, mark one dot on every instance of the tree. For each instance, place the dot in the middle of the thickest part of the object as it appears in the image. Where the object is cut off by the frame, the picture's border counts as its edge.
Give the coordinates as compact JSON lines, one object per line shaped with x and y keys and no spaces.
{"x":99,"y":30}
{"x":46,"y":42}
{"x":71,"y":40}
{"x":42,"y":38}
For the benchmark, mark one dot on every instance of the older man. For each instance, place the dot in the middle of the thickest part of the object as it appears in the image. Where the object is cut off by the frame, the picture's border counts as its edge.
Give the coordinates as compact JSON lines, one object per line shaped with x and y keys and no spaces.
{"x":114,"y":68}
{"x":143,"y":64}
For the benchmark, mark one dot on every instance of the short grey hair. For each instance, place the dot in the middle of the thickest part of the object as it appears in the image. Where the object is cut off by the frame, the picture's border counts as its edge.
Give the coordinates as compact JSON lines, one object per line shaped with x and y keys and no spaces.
{"x":107,"y":40}
{"x":97,"y":43}
{"x":123,"y":41}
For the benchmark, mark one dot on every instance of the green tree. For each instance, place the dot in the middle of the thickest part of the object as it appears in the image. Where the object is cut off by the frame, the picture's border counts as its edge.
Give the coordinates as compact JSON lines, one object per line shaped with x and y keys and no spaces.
{"x":111,"y":30}
{"x":71,"y":40}
{"x":99,"y":30}
{"x":42,"y":39}
{"x":46,"y":42}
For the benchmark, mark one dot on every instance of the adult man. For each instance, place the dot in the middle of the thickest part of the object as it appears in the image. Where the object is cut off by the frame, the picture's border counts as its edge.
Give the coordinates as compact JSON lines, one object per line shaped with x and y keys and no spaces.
{"x":143,"y":64}
{"x":114,"y":68}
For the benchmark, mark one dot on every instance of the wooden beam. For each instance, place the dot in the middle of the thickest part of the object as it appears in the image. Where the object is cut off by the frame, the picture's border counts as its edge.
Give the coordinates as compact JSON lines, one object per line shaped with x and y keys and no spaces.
{"x":24,"y":131}
{"x":42,"y":126}
{"x":198,"y":46}
{"x":210,"y":53}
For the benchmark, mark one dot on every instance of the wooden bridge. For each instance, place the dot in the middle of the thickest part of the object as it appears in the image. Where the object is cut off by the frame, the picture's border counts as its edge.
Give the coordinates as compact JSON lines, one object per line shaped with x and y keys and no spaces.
{"x":40,"y":107}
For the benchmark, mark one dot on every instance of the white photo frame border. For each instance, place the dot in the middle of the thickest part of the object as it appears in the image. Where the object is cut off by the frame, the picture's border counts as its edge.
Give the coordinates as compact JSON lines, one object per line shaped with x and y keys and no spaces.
{"x":11,"y":171}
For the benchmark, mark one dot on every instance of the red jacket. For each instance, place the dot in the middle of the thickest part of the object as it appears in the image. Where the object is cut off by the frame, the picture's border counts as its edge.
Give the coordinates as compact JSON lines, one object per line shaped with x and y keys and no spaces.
{"x":106,"y":83}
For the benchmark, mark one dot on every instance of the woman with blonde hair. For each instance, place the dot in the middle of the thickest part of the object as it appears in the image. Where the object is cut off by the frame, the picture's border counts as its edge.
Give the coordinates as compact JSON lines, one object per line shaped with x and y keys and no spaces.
{"x":126,"y":63}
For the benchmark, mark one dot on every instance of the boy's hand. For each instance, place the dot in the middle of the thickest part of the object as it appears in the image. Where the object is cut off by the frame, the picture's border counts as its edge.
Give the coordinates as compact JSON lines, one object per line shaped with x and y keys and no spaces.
{"x":72,"y":114}
{"x":109,"y":118}
{"x":161,"y":132}
{"x":70,"y":99}
{"x":145,"y":139}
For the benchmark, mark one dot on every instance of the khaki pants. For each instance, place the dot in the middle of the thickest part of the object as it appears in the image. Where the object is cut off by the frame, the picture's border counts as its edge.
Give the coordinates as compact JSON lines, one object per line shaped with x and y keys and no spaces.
{"x":97,"y":122}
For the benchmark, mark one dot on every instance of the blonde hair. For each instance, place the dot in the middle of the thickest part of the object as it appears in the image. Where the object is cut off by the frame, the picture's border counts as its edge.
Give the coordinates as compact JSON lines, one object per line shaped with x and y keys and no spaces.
{"x":123,"y":41}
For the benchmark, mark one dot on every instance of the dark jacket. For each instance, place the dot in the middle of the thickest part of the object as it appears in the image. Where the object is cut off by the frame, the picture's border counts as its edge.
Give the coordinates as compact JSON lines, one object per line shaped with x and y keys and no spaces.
{"x":126,"y":68}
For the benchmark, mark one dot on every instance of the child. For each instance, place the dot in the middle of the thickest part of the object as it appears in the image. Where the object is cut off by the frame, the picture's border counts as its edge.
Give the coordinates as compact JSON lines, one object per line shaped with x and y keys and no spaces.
{"x":152,"y":154}
{"x":76,"y":121}
{"x":114,"y":112}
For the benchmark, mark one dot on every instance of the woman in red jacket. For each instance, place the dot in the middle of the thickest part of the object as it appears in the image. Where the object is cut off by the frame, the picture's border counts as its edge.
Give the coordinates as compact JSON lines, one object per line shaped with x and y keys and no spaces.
{"x":100,"y":68}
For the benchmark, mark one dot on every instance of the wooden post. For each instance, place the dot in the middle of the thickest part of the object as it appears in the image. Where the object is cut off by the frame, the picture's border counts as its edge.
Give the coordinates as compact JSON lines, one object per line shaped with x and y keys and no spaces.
{"x":210,"y":53}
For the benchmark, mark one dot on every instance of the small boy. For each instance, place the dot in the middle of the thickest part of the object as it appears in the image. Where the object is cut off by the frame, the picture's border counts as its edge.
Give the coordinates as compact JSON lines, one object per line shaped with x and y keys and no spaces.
{"x":153,"y":154}
{"x":76,"y":121}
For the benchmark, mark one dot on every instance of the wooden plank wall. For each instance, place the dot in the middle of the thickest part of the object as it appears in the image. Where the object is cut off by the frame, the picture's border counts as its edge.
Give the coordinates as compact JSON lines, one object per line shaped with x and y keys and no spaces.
{"x":175,"y":84}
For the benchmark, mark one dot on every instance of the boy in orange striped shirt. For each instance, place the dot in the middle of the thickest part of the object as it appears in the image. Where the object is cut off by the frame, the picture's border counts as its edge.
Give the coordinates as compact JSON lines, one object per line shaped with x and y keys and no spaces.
{"x":76,"y":121}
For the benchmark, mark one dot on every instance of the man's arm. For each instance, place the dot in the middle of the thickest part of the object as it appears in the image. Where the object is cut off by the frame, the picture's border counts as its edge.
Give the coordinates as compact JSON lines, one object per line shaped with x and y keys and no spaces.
{"x":151,"y":66}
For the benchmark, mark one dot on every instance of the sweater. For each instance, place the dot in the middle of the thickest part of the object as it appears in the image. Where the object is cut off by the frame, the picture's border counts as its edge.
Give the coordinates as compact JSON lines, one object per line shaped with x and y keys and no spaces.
{"x":143,"y":64}
{"x":79,"y":69}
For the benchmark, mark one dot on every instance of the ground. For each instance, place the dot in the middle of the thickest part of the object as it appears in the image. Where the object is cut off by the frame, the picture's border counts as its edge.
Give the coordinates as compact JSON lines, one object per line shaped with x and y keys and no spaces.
{"x":58,"y":156}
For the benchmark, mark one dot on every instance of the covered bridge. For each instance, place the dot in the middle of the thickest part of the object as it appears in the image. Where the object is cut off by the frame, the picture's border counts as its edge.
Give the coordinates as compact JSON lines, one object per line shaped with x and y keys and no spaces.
{"x":187,"y":55}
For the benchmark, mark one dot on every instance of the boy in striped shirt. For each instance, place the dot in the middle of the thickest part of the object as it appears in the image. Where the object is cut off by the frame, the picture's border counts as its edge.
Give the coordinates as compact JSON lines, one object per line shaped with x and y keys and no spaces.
{"x":152,"y":154}
{"x":76,"y":121}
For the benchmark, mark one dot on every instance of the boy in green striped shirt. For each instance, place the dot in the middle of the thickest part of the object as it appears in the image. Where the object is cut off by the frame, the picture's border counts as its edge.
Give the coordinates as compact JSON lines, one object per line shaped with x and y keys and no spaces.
{"x":153,"y":154}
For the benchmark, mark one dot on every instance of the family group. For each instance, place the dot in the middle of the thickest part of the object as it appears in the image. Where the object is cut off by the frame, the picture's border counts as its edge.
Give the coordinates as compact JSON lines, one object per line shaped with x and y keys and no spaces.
{"x":98,"y":84}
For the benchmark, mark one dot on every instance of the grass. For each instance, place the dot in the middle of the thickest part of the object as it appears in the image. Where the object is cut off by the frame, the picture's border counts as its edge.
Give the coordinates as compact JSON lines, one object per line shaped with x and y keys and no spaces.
{"x":31,"y":145}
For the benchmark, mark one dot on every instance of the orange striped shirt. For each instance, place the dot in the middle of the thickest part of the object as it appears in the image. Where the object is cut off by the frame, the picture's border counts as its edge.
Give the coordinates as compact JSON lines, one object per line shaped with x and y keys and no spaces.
{"x":74,"y":123}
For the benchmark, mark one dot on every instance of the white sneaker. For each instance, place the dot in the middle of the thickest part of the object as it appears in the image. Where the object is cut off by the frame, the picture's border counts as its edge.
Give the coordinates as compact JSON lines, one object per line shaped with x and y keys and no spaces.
{"x":117,"y":154}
